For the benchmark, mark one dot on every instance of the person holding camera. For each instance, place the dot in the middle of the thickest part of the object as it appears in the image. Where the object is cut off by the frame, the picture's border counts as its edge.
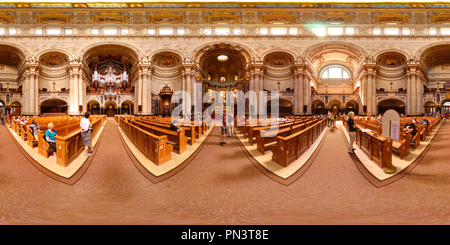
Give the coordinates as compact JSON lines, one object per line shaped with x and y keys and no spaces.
{"x":86,"y":134}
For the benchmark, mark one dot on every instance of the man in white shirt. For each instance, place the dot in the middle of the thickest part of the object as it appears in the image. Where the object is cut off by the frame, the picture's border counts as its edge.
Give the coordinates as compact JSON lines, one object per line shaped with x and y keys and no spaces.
{"x":86,"y":130}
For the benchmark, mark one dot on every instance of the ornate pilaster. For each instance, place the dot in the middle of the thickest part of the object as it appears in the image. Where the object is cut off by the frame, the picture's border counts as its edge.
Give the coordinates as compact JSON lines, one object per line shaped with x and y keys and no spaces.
{"x":75,"y":87}
{"x":408,"y":93}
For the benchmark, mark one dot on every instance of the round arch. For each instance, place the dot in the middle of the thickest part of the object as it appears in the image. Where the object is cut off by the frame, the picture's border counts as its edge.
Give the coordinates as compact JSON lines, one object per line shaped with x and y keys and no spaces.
{"x":285,"y":106}
{"x":152,"y":54}
{"x":444,"y":101}
{"x":267,"y":53}
{"x":88,"y":50}
{"x":391,"y":103}
{"x":17,"y":48}
{"x":335,"y":101}
{"x":41,"y":53}
{"x":404,"y":102}
{"x":335,"y":106}
{"x":445,"y":106}
{"x":313,"y":49}
{"x":45,"y":100}
{"x":429,"y":107}
{"x":54,"y":105}
{"x":16,"y":108}
{"x":318,"y":107}
{"x":318,"y":101}
{"x":111,"y":108}
{"x":429,"y":102}
{"x":337,"y":65}
{"x":428,"y":48}
{"x":380,"y":53}
{"x":93,"y":106}
{"x":197,"y":52}
{"x":351,"y":105}
{"x":126,"y":107}
{"x":2,"y":107}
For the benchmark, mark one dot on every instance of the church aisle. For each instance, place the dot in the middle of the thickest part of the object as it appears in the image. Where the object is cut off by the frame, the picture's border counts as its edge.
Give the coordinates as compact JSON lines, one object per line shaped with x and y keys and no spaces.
{"x":220,"y":186}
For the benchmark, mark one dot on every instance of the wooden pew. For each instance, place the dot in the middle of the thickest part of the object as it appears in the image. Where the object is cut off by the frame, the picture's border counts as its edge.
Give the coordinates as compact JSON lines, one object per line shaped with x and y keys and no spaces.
{"x":253,"y":131}
{"x":266,"y":138}
{"x":190,"y":131}
{"x":289,"y":148}
{"x":154,"y":147}
{"x":68,"y":139}
{"x":177,"y":138}
{"x":70,"y":145}
{"x":375,"y":147}
{"x":404,"y":144}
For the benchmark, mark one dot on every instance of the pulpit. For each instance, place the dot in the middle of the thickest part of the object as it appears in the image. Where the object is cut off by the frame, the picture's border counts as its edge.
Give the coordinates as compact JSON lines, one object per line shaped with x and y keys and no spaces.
{"x":166,"y":100}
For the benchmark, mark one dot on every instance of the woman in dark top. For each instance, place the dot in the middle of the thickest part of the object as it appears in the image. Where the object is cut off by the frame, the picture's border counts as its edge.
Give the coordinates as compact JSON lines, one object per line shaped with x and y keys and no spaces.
{"x":410,"y":125}
{"x":173,"y":126}
{"x":351,"y":131}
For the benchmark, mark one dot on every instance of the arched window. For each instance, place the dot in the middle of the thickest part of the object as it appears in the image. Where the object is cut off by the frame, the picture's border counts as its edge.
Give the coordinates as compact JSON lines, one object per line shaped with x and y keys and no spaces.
{"x":335,"y":72}
{"x":447,"y":103}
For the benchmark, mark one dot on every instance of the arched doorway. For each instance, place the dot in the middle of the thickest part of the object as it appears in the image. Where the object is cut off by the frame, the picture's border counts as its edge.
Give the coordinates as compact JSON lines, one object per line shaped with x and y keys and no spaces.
{"x":430,"y":108}
{"x":2,"y":107}
{"x":446,"y":107}
{"x":318,"y":107}
{"x":351,"y":106}
{"x":16,"y":108}
{"x":54,"y":106}
{"x":284,"y":107}
{"x":110,"y":108}
{"x":391,"y":104}
{"x":334,"y":107}
{"x":127,"y":108}
{"x":94,"y":107}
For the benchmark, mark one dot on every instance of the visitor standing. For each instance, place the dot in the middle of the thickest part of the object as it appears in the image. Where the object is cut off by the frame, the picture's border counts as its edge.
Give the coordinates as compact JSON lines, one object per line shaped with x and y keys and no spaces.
{"x":86,"y":134}
{"x":351,"y":131}
{"x":224,"y":130}
{"x":230,"y":124}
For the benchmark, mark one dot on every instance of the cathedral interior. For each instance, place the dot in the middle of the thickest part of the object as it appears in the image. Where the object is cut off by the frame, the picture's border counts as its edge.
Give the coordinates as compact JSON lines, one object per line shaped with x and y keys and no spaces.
{"x":124,"y":62}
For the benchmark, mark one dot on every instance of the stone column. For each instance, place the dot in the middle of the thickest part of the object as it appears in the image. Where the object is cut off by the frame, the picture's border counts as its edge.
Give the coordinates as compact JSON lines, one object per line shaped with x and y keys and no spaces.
{"x":145,"y":92}
{"x":413,"y":85}
{"x":76,"y":84}
{"x":308,"y":98}
{"x":408,"y":94}
{"x":307,"y":93}
{"x":252,"y":81}
{"x":296,"y":94}
{"x":257,"y":89}
{"x":36,"y":94}
{"x":364,"y":99}
{"x":261,"y":82}
{"x":374,"y":94}
{"x":149,"y":94}
{"x":81,"y":91}
{"x":32,"y":96}
{"x":189,"y":91}
{"x":183,"y":86}
{"x":141,"y":88}
{"x":193,"y":93}
{"x":369,"y":93}
{"x":136,"y":96}
{"x":26,"y":95}
{"x":301,"y":98}
{"x":71,"y":94}
{"x":419,"y":95}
